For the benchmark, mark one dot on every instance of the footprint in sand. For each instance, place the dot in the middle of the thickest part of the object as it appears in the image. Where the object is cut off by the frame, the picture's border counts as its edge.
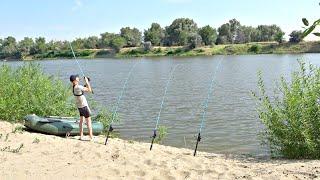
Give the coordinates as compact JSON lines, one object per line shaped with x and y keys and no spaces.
{"x":98,"y":154}
{"x":148,"y":162}
{"x":185,"y":174}
{"x":115,"y":156}
{"x":139,"y":173}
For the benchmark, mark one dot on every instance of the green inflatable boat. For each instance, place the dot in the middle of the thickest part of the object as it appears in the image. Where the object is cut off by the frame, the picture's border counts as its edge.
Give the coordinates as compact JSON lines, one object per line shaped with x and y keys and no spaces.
{"x":59,"y":126}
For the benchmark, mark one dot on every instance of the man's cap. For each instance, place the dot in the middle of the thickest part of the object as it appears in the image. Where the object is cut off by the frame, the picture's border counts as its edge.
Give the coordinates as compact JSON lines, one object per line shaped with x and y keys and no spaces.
{"x":73,"y":77}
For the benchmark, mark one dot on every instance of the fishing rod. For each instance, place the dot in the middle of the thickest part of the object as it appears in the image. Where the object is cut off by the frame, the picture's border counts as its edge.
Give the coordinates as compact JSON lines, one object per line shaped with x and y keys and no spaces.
{"x":118,"y":101}
{"x":206,"y":106}
{"x":158,"y":117}
{"x":74,"y":56}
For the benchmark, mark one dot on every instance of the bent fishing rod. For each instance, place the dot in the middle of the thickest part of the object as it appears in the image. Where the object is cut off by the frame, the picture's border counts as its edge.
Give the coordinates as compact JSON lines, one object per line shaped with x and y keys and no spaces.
{"x":118,"y":102}
{"x":210,"y":91}
{"x":74,"y":56}
{"x":158,"y":117}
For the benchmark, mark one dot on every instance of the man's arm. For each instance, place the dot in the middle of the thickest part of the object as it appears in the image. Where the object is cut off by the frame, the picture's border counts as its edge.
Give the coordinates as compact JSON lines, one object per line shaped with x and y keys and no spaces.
{"x":88,"y":86}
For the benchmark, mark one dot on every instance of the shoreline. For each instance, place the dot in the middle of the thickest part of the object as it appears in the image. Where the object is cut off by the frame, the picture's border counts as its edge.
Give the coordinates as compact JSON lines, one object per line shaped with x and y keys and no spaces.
{"x":179,"y":51}
{"x":52,"y":157}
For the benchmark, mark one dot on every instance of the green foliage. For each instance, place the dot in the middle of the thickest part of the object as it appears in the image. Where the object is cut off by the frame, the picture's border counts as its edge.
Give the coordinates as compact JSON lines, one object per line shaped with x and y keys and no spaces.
{"x":291,"y":117}
{"x":27,"y":90}
{"x":133,"y":36}
{"x":208,"y":35}
{"x":162,"y":133}
{"x":296,"y":36}
{"x":18,"y":129}
{"x":179,"y":31}
{"x":105,"y":117}
{"x":147,"y":46}
{"x":106,"y":39}
{"x":279,"y":37}
{"x":40,"y":46}
{"x":25,"y":46}
{"x":9,"y":47}
{"x":155,"y":34}
{"x":36,"y":141}
{"x":309,"y":29}
{"x":195,"y":41}
{"x":256,"y":48}
{"x":118,"y":42}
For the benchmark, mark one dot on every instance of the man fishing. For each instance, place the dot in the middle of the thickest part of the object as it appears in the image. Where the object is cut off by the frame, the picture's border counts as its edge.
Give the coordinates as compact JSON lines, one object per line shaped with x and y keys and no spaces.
{"x":81,"y":102}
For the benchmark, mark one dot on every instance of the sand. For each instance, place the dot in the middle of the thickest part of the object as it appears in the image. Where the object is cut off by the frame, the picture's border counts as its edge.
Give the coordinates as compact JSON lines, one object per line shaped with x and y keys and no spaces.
{"x":52,"y":157}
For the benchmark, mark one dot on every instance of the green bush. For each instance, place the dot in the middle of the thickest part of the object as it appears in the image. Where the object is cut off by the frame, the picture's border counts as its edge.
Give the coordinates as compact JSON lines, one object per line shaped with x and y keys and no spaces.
{"x":105,"y":117}
{"x":162,"y":133}
{"x":256,"y":48}
{"x":291,"y":117}
{"x":27,"y":90}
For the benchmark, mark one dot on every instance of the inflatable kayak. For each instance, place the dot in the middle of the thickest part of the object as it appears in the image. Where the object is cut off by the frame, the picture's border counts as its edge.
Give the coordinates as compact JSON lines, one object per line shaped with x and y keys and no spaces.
{"x":59,"y":126}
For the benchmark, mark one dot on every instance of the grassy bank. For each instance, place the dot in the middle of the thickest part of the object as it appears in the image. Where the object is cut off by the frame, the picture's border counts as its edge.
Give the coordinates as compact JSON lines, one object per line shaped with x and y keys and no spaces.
{"x":230,"y":49}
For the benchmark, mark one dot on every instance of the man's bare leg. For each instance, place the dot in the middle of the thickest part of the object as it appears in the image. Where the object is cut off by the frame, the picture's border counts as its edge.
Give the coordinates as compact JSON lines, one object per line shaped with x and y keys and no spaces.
{"x":80,"y":127}
{"x":89,"y":125}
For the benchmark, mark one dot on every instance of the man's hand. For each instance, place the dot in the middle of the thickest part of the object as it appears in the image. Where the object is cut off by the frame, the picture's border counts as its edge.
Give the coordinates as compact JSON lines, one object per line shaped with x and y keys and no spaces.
{"x":88,"y":88}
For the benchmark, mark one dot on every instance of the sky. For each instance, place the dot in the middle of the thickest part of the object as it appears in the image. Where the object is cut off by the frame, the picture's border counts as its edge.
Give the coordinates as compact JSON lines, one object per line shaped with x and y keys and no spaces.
{"x":68,"y":19}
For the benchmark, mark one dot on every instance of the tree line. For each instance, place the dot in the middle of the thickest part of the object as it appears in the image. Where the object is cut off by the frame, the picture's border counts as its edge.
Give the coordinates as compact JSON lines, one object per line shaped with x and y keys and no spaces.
{"x":181,"y":32}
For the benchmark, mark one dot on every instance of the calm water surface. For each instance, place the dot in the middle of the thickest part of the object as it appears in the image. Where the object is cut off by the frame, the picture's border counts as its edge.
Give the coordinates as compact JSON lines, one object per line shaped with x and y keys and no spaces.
{"x":231,"y":124}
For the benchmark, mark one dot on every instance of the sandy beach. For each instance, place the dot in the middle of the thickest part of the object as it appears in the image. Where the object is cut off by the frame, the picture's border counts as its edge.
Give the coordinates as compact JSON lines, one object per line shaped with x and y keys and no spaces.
{"x":52,"y":157}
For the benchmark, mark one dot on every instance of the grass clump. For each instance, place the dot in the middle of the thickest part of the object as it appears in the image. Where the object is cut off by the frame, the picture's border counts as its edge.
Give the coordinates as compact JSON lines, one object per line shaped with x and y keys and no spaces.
{"x":162,"y":133}
{"x":36,"y":140}
{"x":256,"y":48}
{"x":16,"y":150}
{"x":291,"y":117}
{"x":18,"y":129}
{"x":27,"y":90}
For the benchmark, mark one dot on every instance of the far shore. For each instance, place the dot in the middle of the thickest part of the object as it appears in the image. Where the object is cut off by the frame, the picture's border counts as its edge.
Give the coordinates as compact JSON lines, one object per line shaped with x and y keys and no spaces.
{"x":26,"y":155}
{"x":179,"y":51}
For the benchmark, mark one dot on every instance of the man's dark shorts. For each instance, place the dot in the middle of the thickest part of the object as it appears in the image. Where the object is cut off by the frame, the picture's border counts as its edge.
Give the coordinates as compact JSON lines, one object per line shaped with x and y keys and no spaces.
{"x":84,"y":112}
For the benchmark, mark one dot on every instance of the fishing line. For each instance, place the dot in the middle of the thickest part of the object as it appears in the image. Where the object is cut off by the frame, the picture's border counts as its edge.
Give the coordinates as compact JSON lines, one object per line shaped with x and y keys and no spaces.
{"x":210,"y":91}
{"x":161,"y":106}
{"x":116,"y":107}
{"x":74,"y":56}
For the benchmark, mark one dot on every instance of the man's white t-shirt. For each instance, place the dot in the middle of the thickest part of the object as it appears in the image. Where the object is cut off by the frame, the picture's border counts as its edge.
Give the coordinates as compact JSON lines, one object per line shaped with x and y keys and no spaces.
{"x":81,"y":101}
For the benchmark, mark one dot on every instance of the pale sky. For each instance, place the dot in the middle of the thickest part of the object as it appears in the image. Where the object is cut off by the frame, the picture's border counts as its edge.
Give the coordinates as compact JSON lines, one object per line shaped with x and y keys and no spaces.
{"x":67,"y":19}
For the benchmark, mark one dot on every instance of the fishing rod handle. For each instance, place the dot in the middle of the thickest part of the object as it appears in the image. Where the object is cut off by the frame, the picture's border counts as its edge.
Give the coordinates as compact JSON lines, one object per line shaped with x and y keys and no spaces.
{"x":105,"y":143}
{"x":110,"y":130}
{"x":153,"y":137}
{"x":198,"y":140}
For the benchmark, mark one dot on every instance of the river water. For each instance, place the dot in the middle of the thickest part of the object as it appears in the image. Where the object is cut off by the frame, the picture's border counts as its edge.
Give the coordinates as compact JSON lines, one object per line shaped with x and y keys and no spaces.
{"x":231,"y":123}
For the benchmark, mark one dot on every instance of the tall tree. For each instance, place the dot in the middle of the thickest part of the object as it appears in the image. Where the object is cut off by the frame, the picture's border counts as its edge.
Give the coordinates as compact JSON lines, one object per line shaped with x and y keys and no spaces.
{"x":118,"y":42}
{"x":225,"y":35}
{"x":155,"y":34}
{"x":179,"y":31}
{"x":105,"y":40}
{"x":40,"y":46}
{"x":133,"y":36}
{"x":25,"y":46}
{"x":208,"y":35}
{"x":279,"y":37}
{"x":296,"y":36}
{"x":91,"y":42}
{"x":9,"y":47}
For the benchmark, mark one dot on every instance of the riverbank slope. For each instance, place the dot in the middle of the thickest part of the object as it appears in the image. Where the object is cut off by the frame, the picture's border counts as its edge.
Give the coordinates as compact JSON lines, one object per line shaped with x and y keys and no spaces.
{"x":179,"y":51}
